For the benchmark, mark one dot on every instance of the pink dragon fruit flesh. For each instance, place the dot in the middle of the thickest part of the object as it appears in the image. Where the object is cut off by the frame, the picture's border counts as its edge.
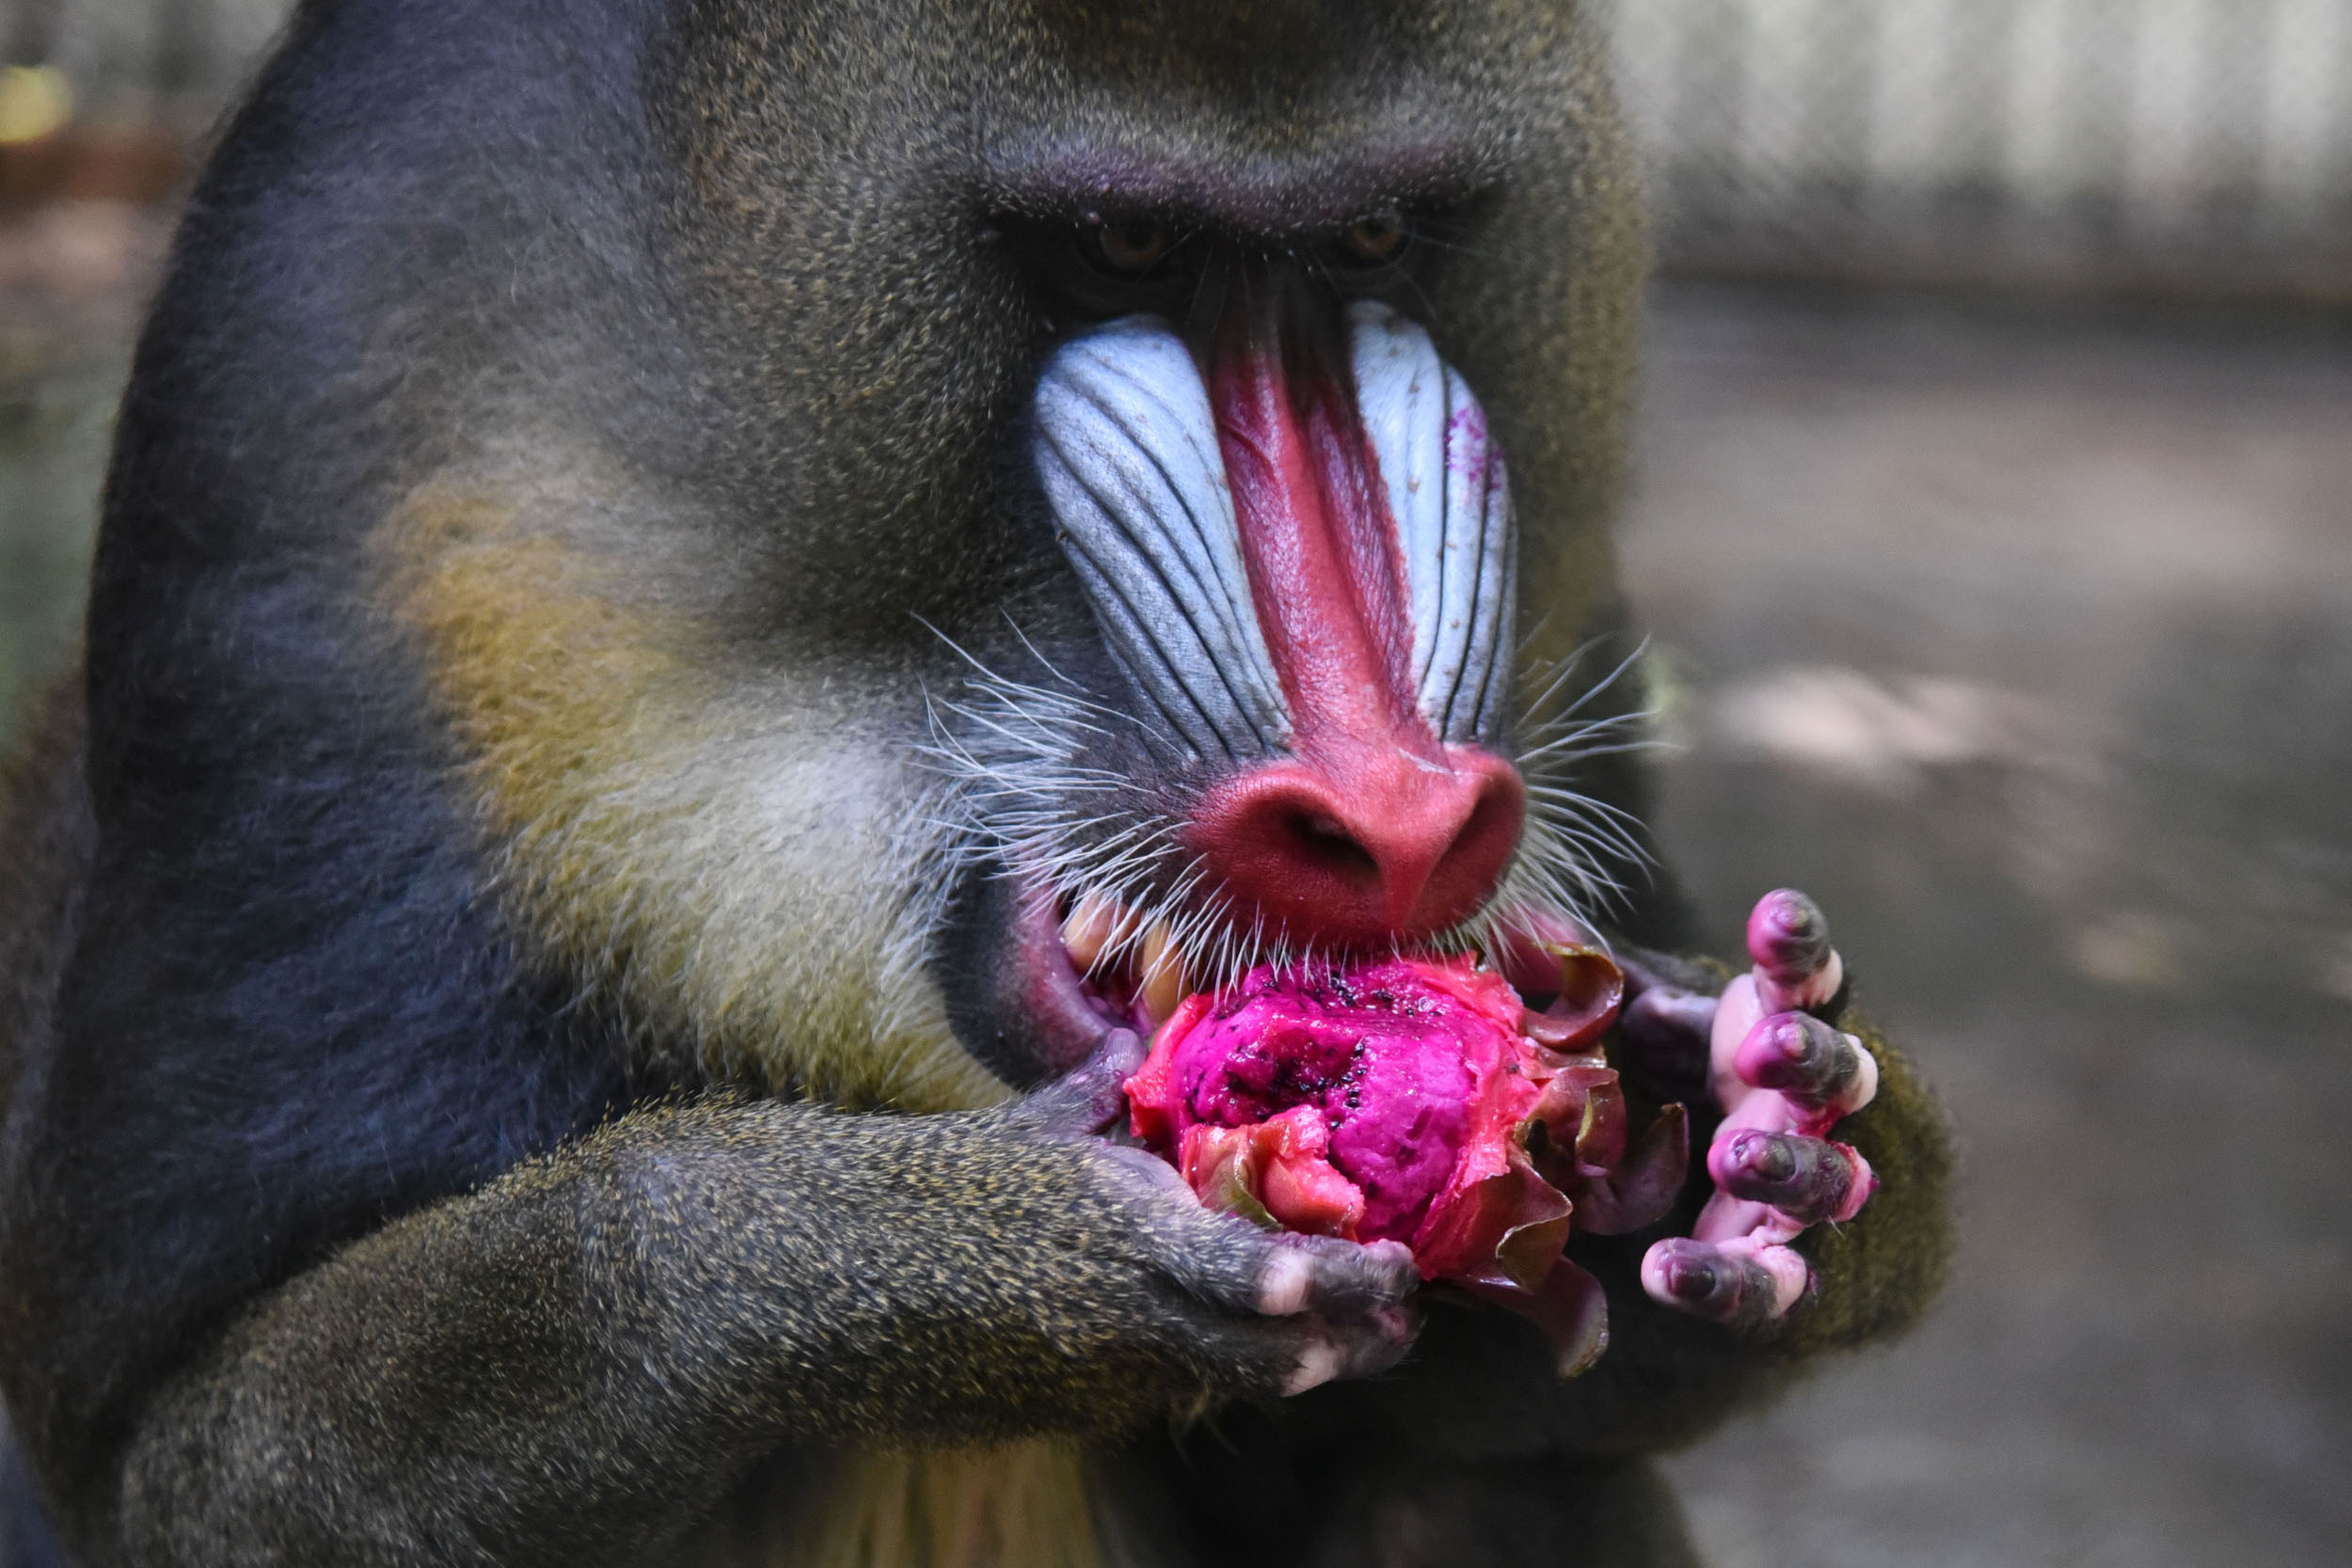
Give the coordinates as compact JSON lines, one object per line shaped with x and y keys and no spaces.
{"x":1418,"y":1101}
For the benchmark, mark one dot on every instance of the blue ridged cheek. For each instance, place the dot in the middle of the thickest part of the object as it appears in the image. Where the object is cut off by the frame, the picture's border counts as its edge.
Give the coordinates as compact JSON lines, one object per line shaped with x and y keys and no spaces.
{"x":1451,"y":502}
{"x":1127,"y":450}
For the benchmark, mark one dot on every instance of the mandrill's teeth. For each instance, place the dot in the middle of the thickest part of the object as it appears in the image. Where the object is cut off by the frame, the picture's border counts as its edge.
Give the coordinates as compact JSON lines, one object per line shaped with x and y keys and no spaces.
{"x":1088,"y":930}
{"x":1134,"y":963}
{"x":1163,"y":974}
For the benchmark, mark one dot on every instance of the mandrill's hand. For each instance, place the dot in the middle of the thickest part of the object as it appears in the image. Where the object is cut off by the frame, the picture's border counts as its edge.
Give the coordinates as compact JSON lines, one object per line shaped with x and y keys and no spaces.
{"x":1784,"y":1078}
{"x":1272,"y":1311}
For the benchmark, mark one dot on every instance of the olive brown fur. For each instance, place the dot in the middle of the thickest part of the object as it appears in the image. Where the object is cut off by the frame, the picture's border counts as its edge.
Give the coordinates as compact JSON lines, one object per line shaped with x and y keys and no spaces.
{"x":480,"y":946}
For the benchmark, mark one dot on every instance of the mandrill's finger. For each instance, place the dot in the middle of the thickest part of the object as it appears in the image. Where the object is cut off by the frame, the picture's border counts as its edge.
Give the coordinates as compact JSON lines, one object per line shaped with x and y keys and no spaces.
{"x":1736,"y":1286}
{"x":1788,"y":942}
{"x":1225,"y":1260}
{"x":1807,"y":1179}
{"x":1319,"y":1306}
{"x":1323,"y":1275}
{"x":1822,"y":1070}
{"x":1665,"y":1018}
{"x":1357,"y":1347}
{"x":1353,"y":1301}
{"x":1089,"y":1098}
{"x":1667,"y":1032}
{"x":1148,"y":1171}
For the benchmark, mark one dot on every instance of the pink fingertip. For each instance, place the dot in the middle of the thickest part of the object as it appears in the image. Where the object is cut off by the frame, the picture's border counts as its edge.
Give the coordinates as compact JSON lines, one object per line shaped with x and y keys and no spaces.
{"x":1787,"y":936}
{"x":1790,"y":1273}
{"x":1865,"y":1181}
{"x":1318,"y":1364}
{"x":1658,"y":1272}
{"x":1287,"y":1285}
{"x":1774,"y":1051}
{"x":1726,"y":1154}
{"x":1864,"y":1087}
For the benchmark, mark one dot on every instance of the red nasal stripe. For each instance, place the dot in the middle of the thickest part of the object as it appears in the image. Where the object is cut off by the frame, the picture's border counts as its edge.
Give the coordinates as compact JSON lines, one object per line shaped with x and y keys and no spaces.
{"x":1373,"y":829}
{"x":1325,"y":571}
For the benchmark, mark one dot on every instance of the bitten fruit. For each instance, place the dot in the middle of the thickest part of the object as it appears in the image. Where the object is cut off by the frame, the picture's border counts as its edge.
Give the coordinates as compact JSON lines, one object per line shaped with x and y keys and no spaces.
{"x":1418,"y":1101}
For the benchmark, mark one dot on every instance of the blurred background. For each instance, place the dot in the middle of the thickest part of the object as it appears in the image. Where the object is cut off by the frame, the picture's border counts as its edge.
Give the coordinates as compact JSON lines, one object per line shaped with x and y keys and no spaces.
{"x":1992,"y":514}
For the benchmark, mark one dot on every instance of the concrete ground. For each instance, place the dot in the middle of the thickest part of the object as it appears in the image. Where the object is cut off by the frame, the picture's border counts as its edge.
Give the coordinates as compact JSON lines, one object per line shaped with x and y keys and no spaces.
{"x":2022,"y":638}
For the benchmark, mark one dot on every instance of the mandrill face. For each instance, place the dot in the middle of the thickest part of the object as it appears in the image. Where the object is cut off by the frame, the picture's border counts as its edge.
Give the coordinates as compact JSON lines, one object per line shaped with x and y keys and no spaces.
{"x":1220,"y":407}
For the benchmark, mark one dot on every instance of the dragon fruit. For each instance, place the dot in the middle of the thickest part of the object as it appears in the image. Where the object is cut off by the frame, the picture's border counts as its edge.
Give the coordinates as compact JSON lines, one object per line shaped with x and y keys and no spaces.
{"x":1418,"y":1101}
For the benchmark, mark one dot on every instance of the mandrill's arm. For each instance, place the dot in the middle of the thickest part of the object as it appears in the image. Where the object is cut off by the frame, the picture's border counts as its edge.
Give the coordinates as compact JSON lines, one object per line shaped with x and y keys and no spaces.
{"x":577,"y":1359}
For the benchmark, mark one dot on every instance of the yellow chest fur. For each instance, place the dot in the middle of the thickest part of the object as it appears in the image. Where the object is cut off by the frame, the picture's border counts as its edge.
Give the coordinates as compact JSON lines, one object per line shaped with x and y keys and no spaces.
{"x":1026,"y":1505}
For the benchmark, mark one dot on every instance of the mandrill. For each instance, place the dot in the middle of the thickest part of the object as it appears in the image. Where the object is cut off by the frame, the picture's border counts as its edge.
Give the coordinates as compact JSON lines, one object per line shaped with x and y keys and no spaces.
{"x":707,"y":612}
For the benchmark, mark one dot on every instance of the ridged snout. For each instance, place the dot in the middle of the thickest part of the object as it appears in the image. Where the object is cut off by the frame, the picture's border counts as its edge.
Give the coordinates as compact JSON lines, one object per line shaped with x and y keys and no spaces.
{"x":1306,"y":569}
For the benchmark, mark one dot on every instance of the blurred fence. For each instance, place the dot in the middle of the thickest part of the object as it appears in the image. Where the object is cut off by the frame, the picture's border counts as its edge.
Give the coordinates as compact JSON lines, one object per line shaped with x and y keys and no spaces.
{"x":2200,"y":144}
{"x":104,"y":98}
{"x":2195,"y":144}
{"x":138,"y":57}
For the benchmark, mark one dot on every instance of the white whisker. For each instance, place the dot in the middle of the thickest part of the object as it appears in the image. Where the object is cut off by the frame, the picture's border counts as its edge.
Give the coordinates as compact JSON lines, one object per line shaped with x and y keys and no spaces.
{"x":1022,"y":794}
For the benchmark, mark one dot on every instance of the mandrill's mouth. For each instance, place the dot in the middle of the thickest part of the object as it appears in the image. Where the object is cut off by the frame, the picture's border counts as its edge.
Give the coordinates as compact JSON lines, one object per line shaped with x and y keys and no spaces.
{"x":1130,"y":968}
{"x":1132,"y":971}
{"x":1027,"y":1004}
{"x":1045,"y":979}
{"x":1041,"y":981}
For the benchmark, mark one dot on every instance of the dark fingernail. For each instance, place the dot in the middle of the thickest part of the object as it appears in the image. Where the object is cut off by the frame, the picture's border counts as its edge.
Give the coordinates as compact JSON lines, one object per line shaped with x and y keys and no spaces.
{"x":1392,"y":1281}
{"x":1793,"y":1052}
{"x":1692,"y":1279}
{"x":1803,"y":1178}
{"x":1764,"y":1156}
{"x":1397,"y":1325}
{"x":1787,"y":936}
{"x":1378,"y":1352}
{"x":1707,"y":1283}
{"x":1664,"y":1017}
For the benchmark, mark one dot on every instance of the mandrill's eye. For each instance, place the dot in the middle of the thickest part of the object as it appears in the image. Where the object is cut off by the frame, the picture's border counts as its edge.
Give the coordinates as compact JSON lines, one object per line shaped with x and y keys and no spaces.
{"x":1103,"y":266}
{"x":1375,"y":239}
{"x":1133,"y":247}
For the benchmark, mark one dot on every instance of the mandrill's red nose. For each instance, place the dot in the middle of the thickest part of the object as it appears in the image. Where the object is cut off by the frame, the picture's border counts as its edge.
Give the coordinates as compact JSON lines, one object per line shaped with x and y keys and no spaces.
{"x":1378,"y":847}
